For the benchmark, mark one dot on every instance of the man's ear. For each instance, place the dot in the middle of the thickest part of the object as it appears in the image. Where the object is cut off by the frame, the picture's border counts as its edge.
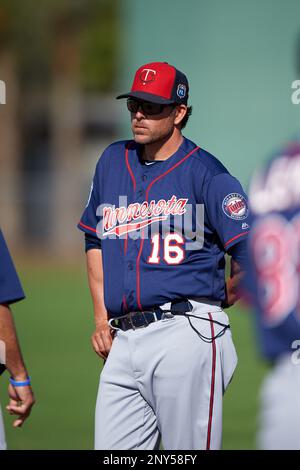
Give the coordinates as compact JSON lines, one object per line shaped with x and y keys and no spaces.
{"x":180,"y":111}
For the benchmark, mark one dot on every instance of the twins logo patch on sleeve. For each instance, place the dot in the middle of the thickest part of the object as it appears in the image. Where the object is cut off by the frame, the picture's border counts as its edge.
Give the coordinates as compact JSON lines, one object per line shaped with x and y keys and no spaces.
{"x":235,"y":206}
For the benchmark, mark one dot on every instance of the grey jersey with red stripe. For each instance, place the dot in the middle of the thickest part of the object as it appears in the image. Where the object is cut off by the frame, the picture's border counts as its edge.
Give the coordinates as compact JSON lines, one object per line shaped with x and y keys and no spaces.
{"x":165,"y":227}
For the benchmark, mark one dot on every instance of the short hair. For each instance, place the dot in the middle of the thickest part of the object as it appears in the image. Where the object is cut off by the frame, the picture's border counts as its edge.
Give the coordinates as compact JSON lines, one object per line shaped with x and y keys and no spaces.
{"x":184,"y":121}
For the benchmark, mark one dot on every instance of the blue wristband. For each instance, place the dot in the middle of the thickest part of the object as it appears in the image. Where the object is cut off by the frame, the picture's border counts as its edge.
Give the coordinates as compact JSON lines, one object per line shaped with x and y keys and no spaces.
{"x":16,"y":383}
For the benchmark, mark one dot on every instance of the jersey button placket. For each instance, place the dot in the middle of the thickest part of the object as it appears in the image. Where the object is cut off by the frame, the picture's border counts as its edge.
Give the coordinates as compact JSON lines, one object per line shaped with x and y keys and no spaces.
{"x":140,"y":194}
{"x":129,"y":277}
{"x":130,"y":265}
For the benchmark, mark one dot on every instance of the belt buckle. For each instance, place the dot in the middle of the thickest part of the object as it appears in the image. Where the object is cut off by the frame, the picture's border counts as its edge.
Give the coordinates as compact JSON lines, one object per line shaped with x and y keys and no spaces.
{"x":142,"y":313}
{"x":131,"y":321}
{"x":153,"y":312}
{"x":155,"y":316}
{"x":144,"y":316}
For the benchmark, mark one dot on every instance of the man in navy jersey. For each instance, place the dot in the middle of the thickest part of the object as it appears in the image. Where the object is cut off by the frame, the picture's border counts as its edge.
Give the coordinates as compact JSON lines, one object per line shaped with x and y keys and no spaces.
{"x":19,"y":390}
{"x":161,"y":215}
{"x":274,"y":286}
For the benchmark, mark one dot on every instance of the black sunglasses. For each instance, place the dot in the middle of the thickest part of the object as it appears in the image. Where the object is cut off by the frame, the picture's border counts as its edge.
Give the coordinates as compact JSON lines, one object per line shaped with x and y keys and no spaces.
{"x":147,"y":107}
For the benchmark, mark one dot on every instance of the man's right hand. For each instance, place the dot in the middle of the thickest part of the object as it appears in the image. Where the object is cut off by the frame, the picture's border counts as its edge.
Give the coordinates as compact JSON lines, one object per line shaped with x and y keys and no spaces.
{"x":102,"y":339}
{"x":20,"y":404}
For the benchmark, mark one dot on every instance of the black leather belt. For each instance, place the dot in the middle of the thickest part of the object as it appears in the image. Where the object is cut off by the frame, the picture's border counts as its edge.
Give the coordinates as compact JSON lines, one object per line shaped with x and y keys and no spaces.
{"x":143,"y":318}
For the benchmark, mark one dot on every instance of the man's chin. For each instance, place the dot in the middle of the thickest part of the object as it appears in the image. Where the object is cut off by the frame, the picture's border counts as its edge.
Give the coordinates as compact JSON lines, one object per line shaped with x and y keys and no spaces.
{"x":141,"y":139}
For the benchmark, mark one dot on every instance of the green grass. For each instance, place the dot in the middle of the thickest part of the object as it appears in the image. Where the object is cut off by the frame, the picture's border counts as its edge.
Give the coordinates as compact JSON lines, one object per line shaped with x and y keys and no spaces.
{"x":54,"y":326}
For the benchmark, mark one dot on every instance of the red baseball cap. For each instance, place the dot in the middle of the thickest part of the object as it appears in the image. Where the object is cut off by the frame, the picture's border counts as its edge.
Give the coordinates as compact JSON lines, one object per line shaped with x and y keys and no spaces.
{"x":159,"y":82}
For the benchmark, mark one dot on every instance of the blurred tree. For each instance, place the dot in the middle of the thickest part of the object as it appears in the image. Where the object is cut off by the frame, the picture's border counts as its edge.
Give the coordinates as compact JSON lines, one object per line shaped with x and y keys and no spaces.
{"x":54,"y":50}
{"x":30,"y":28}
{"x":99,"y":41}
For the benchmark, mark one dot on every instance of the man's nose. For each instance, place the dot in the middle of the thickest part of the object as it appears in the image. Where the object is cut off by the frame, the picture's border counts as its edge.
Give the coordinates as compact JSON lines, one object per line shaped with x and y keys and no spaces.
{"x":139,"y":113}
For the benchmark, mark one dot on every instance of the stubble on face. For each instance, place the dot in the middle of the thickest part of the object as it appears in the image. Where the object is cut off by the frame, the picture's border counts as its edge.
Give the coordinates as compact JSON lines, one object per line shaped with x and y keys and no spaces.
{"x":149,"y":130}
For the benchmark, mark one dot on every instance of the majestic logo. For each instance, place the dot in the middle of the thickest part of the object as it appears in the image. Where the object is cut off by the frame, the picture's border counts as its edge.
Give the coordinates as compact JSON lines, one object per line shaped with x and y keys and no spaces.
{"x":121,"y":220}
{"x":147,"y":76}
{"x":235,"y":206}
{"x":181,"y":91}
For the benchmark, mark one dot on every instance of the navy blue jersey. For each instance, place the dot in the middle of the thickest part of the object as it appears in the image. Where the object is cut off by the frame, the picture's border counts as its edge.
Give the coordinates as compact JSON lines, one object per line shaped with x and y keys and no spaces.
{"x":164,"y":226}
{"x":10,"y":286}
{"x":273,"y":277}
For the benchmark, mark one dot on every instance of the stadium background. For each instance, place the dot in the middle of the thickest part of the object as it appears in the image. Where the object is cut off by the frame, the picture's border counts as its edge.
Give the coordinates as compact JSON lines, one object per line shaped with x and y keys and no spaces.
{"x":63,"y":62}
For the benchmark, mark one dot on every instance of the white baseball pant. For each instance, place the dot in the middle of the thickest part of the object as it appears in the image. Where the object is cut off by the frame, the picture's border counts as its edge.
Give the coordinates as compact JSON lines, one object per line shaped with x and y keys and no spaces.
{"x":279,"y":422}
{"x":2,"y":433}
{"x":165,"y":382}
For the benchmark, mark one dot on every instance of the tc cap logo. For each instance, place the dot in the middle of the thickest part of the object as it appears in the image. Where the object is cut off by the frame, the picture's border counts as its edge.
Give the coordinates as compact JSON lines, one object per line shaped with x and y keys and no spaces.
{"x":147,"y":76}
{"x":235,"y":206}
{"x":181,"y":90}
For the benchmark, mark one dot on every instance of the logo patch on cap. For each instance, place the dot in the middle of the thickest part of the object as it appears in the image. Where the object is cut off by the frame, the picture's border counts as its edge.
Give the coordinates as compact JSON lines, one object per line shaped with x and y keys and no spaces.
{"x":181,"y":90}
{"x":235,"y":206}
{"x":147,"y":76}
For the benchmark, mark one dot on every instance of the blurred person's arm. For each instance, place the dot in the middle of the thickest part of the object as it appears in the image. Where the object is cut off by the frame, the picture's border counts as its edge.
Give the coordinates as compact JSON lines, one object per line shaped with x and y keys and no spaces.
{"x":21,"y":398}
{"x":102,"y":338}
